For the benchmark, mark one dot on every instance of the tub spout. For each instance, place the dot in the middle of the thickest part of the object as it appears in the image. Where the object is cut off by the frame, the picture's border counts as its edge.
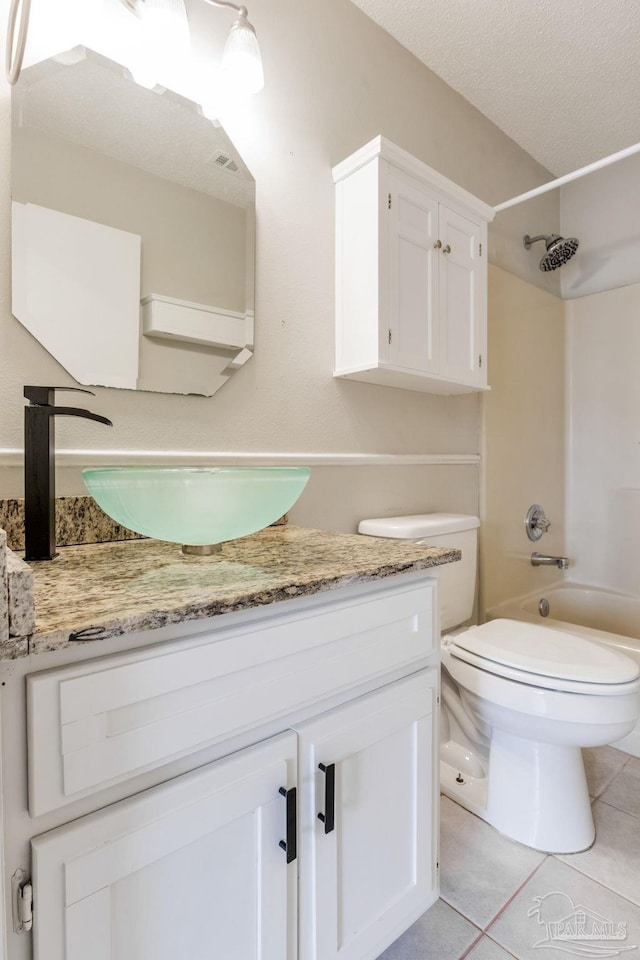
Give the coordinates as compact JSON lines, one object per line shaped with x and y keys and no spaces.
{"x":539,"y":560}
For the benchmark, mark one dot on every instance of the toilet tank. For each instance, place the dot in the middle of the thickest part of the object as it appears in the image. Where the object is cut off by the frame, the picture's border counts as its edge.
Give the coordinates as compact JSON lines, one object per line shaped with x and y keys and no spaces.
{"x":457,"y":581}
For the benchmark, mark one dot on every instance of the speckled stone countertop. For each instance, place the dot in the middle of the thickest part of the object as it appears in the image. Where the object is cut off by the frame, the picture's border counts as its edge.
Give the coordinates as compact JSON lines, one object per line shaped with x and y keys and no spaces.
{"x":97,"y":591}
{"x":4,"y":591}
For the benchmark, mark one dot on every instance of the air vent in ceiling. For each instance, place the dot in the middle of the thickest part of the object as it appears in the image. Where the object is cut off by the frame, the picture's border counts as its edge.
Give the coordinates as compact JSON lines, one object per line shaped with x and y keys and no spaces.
{"x":223,"y":160}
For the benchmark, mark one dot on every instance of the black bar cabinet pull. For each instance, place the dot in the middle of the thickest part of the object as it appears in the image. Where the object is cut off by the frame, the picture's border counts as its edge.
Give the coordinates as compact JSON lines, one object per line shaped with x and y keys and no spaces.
{"x":290,"y":845}
{"x":329,"y":815}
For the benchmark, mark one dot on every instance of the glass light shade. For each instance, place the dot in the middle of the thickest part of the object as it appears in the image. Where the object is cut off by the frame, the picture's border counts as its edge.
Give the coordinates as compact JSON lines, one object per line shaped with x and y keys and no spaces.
{"x":241,"y":61}
{"x":196,"y":505}
{"x":164,"y":43}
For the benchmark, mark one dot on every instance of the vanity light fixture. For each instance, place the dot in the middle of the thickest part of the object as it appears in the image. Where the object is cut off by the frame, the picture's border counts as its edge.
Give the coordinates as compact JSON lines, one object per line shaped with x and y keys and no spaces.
{"x":56,"y":29}
{"x":241,"y":60}
{"x":19,"y":13}
{"x":165,"y":40}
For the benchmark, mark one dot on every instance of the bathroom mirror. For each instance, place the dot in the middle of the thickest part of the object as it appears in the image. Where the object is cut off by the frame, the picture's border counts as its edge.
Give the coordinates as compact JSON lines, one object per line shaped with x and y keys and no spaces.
{"x":133,"y":230}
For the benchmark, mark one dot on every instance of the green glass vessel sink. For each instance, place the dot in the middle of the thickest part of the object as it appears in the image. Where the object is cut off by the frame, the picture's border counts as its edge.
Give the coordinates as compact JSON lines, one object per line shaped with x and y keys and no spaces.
{"x":196,"y":506}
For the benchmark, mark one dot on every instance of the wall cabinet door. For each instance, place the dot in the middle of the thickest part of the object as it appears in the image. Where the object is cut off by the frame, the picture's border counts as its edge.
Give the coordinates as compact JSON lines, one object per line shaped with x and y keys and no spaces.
{"x":461,"y":292}
{"x":413,"y":276}
{"x":192,"y":868}
{"x":368,"y":794}
{"x":436,"y":286}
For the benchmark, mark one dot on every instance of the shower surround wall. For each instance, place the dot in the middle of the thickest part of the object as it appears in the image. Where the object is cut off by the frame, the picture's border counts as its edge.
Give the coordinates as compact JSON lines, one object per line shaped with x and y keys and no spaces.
{"x":534,"y":434}
{"x":334,"y":80}
{"x":603,"y":482}
{"x":597,"y":209}
{"x":603,"y":340}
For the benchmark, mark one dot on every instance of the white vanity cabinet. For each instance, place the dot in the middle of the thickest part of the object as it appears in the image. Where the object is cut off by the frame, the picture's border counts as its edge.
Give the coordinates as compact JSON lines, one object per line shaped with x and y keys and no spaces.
{"x":305,"y":825}
{"x":411,"y":274}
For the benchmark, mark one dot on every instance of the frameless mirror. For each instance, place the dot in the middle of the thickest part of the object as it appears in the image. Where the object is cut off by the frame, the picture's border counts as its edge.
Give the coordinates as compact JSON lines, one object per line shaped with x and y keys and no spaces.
{"x":133,"y":241}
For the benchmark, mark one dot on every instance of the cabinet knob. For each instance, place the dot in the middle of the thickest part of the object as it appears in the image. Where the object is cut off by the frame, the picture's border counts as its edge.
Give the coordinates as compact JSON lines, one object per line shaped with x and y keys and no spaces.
{"x":447,"y":249}
{"x":438,"y":244}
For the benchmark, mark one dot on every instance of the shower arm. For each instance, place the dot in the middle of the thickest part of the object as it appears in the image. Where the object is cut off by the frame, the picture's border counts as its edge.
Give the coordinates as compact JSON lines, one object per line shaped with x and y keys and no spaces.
{"x":529,"y":240}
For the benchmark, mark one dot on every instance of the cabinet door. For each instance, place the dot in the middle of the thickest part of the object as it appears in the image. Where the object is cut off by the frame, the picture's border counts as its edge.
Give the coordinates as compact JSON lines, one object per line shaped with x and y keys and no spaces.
{"x":413,"y":275}
{"x":367,"y":871}
{"x":461,"y":300}
{"x":192,"y":868}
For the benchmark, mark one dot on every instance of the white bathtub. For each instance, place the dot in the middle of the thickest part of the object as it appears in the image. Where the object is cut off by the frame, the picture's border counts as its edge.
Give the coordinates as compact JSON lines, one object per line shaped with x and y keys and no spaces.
{"x":600,"y":615}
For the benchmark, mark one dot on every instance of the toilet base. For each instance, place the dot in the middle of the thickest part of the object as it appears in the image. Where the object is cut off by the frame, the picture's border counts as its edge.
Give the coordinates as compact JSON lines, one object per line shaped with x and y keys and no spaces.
{"x":535,"y":793}
{"x":470,"y":792}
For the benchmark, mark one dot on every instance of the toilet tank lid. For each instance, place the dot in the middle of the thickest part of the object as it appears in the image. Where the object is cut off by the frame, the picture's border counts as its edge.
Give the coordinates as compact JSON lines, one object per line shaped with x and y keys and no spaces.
{"x":418,"y":526}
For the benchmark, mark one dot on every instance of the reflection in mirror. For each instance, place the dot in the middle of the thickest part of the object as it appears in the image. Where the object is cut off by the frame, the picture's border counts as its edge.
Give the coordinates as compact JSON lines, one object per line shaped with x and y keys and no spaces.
{"x":133,"y":231}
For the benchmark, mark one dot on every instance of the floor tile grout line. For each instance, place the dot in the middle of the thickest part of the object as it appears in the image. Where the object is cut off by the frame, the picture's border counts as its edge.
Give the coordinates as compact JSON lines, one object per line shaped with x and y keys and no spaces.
{"x":607,"y":783}
{"x":599,"y":883}
{"x":607,"y":803}
{"x":514,"y":895}
{"x":461,"y":914}
{"x":472,"y":946}
{"x":467,"y":920}
{"x":508,"y":952}
{"x":614,"y":775}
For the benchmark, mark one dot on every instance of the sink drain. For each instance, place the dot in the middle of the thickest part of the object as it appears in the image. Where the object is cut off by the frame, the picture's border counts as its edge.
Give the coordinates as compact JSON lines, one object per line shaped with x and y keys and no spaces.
{"x":544,"y":607}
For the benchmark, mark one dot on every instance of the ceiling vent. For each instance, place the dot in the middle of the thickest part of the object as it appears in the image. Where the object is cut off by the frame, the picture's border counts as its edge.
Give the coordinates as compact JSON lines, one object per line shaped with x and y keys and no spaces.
{"x":224,"y":161}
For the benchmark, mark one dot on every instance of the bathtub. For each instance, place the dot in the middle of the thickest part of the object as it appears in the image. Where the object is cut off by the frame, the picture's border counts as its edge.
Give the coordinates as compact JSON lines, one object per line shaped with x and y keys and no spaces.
{"x":603,"y":616}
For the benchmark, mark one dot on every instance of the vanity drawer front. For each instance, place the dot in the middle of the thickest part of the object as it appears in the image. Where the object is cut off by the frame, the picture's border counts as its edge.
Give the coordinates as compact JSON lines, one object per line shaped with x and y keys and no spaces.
{"x":101,"y":722}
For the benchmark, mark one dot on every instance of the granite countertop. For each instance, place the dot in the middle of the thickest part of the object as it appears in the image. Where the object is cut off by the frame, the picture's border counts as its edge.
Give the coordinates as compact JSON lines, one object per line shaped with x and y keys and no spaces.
{"x":97,"y":591}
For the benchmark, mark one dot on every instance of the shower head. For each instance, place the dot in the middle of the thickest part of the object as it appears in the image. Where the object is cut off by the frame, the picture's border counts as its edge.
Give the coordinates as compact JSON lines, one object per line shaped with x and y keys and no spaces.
{"x":558,"y":251}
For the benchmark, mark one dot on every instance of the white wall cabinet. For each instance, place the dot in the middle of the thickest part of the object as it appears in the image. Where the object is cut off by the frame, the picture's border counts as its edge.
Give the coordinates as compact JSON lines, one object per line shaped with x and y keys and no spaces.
{"x":256,"y":852}
{"x":411,"y":275}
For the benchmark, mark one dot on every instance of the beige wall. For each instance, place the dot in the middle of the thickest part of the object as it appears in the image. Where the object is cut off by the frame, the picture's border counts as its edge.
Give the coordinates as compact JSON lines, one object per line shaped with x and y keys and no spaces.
{"x":604,"y":438}
{"x":385,"y":491}
{"x":334,"y":80}
{"x":523,"y":436}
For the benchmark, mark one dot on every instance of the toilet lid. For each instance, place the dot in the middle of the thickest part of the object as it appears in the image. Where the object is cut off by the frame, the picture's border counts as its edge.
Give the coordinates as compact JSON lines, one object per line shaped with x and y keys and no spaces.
{"x":542,"y":652}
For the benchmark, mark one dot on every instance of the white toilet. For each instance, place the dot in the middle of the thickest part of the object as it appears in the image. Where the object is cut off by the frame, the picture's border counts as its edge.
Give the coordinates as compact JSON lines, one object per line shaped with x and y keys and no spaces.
{"x":518,"y":702}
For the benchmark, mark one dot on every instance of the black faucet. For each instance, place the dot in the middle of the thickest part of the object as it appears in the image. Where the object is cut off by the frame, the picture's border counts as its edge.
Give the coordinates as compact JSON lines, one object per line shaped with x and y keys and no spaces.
{"x":39,"y":467}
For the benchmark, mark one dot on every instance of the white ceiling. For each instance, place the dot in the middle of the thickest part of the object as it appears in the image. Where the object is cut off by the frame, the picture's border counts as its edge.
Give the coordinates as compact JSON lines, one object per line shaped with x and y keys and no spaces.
{"x":561,"y":77}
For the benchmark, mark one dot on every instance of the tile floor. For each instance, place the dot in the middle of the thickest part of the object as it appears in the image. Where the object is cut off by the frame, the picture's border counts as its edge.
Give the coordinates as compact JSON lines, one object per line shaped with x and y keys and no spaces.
{"x":487,"y":909}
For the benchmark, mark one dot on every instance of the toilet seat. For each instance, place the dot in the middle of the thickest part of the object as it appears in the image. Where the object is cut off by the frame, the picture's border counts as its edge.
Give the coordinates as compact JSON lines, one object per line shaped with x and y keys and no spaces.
{"x":549,"y":659}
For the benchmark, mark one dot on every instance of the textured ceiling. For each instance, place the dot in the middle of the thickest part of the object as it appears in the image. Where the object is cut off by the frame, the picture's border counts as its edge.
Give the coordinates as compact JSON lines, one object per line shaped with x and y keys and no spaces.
{"x":561,"y":77}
